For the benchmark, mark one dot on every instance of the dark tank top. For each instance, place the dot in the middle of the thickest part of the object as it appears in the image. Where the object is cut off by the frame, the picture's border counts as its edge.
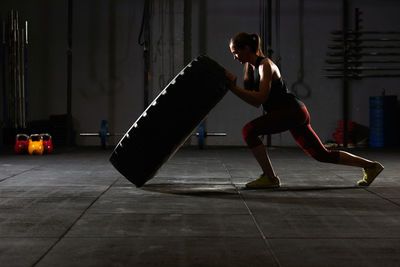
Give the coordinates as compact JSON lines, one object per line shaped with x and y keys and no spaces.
{"x":279,"y":95}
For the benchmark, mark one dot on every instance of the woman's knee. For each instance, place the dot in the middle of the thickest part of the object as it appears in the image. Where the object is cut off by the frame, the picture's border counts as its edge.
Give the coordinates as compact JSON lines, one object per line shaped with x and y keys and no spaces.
{"x":247,"y":130}
{"x":249,"y":136}
{"x":326,"y":156}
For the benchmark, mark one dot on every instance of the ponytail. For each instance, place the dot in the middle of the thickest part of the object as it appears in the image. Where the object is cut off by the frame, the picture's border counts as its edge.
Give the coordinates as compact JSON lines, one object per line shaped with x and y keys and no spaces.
{"x":257,"y":43}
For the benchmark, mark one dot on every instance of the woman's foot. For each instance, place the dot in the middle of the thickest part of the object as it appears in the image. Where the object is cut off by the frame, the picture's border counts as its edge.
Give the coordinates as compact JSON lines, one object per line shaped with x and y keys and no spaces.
{"x":370,"y":174}
{"x":264,"y":182}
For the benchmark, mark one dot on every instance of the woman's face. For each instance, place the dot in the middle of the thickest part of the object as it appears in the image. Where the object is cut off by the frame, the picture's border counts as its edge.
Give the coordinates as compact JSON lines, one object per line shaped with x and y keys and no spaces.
{"x":240,"y":55}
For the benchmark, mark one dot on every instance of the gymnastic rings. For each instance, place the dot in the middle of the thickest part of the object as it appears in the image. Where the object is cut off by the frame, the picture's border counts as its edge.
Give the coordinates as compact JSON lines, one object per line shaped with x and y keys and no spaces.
{"x":301,"y":89}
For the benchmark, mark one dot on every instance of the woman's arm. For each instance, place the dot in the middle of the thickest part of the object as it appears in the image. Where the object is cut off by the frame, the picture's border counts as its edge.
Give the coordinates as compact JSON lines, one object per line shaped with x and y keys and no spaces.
{"x":254,"y":98}
{"x":246,"y":77}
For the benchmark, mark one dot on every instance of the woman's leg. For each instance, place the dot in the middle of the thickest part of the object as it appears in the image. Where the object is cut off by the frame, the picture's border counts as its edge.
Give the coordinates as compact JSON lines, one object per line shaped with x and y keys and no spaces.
{"x":349,"y":159}
{"x":261,"y":155}
{"x":308,"y":140}
{"x":272,"y":122}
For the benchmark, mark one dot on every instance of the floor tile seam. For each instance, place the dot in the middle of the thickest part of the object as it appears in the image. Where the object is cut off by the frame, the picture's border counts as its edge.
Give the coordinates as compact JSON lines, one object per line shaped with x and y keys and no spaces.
{"x":14,"y":175}
{"x":267,"y":244}
{"x":382,"y":197}
{"x":72,"y":225}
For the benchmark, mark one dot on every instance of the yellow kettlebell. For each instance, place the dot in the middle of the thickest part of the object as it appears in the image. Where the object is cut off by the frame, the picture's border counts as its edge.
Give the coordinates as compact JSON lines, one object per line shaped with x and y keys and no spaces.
{"x":35,"y":145}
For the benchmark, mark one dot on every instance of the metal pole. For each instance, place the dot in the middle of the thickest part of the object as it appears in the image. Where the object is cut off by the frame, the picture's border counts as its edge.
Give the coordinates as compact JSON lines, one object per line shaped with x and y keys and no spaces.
{"x":345,"y":81}
{"x":278,"y":32}
{"x":3,"y":70}
{"x":269,"y":33}
{"x":15,"y":71}
{"x":269,"y":49}
{"x":145,"y":34}
{"x":171,"y":38}
{"x":202,"y":50}
{"x":69,"y":59}
{"x":26,"y":71}
{"x":19,"y":72}
{"x":187,"y":31}
{"x":69,"y":134}
{"x":22,"y":57}
{"x":266,"y":35}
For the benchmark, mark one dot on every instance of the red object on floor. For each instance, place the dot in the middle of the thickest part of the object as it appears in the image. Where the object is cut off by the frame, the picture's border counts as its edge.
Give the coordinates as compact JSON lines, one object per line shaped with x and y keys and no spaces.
{"x":339,"y":134}
{"x":47,"y":143}
{"x":21,"y":143}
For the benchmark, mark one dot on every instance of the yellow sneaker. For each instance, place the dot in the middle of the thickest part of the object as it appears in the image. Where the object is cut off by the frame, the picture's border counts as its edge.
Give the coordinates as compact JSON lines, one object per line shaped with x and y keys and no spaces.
{"x":370,"y":174}
{"x":264,"y":182}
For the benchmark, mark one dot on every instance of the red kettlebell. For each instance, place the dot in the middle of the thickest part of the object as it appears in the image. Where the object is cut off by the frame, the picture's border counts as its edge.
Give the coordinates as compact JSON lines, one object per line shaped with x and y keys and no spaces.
{"x":21,"y":143}
{"x":47,"y":143}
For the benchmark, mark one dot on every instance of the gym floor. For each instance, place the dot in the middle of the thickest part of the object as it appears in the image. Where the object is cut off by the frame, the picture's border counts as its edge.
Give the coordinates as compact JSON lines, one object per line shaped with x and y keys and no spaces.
{"x":72,"y":208}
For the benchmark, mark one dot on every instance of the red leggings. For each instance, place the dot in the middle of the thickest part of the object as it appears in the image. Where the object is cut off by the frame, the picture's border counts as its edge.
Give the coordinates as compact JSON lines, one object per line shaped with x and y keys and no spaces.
{"x":297,"y":121}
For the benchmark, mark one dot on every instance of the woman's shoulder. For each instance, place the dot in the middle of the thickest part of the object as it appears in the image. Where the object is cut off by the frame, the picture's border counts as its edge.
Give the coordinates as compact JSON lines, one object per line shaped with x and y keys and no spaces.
{"x":268,"y":65}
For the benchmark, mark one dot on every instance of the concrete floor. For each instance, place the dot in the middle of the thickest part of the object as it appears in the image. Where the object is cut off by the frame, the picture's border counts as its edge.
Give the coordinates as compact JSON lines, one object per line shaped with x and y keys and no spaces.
{"x":72,"y":208}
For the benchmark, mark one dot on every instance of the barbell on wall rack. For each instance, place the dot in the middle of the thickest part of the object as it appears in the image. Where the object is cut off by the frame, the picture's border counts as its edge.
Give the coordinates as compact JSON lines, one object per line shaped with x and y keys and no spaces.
{"x":359,"y":76}
{"x":340,"y":47}
{"x":358,"y":53}
{"x":363,"y":61}
{"x":363,"y":68}
{"x":351,"y":32}
{"x":367,"y":39}
{"x":382,"y":54}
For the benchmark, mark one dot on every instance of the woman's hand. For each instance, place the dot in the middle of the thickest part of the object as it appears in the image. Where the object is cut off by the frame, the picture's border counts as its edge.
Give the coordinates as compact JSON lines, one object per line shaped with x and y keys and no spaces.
{"x":232,"y":77}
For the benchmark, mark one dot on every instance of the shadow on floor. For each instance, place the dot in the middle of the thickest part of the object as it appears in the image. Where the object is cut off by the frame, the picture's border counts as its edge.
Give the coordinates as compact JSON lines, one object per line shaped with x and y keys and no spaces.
{"x":192,"y":189}
{"x":225,"y":189}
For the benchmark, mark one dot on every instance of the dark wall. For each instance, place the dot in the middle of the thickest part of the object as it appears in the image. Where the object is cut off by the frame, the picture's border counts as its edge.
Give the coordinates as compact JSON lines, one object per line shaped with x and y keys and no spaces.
{"x":108,"y":62}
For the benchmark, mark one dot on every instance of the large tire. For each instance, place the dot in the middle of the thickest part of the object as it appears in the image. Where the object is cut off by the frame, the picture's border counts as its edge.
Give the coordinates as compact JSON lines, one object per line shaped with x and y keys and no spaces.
{"x":170,"y":119}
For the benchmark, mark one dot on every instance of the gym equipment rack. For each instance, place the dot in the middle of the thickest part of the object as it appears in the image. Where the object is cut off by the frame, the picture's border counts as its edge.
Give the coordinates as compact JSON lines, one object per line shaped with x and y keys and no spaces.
{"x":359,"y":54}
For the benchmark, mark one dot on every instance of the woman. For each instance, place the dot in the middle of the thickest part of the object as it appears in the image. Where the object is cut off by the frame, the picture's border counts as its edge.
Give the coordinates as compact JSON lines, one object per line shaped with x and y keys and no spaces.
{"x":264,"y":86}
